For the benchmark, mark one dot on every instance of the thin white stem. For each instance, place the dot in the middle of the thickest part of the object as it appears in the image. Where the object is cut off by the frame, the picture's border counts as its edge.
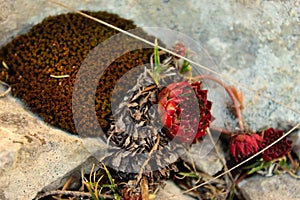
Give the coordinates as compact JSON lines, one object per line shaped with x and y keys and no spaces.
{"x":6,"y":91}
{"x":219,"y":154}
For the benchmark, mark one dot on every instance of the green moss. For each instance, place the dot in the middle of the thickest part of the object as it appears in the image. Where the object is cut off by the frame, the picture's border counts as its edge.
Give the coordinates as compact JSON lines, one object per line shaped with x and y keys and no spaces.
{"x":58,"y":45}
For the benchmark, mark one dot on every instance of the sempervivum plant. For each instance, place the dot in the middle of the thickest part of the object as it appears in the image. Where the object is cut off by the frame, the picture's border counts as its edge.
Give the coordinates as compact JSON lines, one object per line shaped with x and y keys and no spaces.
{"x":278,"y":150}
{"x":151,"y":115}
{"x":184,"y":110}
{"x":245,"y":145}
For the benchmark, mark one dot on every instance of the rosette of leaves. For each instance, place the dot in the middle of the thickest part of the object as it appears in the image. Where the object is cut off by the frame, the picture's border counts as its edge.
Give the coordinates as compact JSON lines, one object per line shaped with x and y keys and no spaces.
{"x":178,"y":104}
{"x":183,"y":105}
{"x":245,"y":145}
{"x":278,"y":150}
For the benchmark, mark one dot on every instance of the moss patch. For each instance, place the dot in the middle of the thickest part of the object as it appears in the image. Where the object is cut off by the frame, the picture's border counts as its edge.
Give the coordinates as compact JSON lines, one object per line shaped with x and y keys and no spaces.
{"x":57,"y":46}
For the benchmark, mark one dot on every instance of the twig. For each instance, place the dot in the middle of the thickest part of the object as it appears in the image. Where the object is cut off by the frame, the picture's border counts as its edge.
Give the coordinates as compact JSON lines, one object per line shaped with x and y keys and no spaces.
{"x":223,"y":131}
{"x":5,"y":65}
{"x":60,"y":192}
{"x":218,"y":154}
{"x":154,"y":148}
{"x":59,"y":76}
{"x":7,"y":90}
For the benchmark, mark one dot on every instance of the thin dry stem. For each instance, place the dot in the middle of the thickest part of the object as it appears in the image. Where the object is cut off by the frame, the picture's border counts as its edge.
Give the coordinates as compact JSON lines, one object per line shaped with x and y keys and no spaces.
{"x":144,"y":188}
{"x":242,"y":177}
{"x":154,"y":148}
{"x":292,"y":174}
{"x":219,"y":154}
{"x":223,"y":131}
{"x":59,"y":76}
{"x":66,"y":185}
{"x":7,"y":91}
{"x":60,"y":192}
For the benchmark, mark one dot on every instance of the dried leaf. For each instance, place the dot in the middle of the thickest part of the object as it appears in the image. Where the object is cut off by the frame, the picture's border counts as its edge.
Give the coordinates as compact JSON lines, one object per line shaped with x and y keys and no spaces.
{"x":238,"y":95}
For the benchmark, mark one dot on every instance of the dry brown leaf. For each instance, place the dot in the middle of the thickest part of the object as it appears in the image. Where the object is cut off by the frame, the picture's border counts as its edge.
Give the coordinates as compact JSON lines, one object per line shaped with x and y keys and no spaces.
{"x":238,"y":95}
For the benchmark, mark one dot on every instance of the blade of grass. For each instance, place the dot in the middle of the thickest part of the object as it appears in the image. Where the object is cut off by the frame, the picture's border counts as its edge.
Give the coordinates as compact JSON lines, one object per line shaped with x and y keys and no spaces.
{"x":188,"y":174}
{"x":157,"y":67}
{"x":186,"y":65}
{"x":88,"y":186}
{"x":112,"y":183}
{"x":260,"y":167}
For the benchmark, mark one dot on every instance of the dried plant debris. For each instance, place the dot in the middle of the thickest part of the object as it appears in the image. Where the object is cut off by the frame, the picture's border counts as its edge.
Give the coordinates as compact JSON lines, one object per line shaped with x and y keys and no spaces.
{"x":136,"y":128}
{"x":56,"y":47}
{"x":187,"y":178}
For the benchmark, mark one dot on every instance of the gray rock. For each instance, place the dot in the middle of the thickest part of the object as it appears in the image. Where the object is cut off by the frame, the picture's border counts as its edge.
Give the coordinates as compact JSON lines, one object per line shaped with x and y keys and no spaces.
{"x":89,"y":165}
{"x":277,"y":187}
{"x":32,"y":154}
{"x":203,"y":155}
{"x":171,"y":192}
{"x":295,"y":137}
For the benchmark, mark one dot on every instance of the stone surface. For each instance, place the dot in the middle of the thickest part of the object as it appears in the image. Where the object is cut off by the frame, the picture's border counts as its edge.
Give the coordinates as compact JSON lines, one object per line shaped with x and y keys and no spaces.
{"x":75,"y":174}
{"x":203,"y":155}
{"x":32,"y":154}
{"x":171,"y":192}
{"x":277,"y":187}
{"x":295,"y":137}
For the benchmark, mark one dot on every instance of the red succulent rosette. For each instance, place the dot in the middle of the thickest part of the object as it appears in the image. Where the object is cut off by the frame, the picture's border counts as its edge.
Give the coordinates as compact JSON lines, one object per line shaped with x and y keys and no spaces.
{"x":185,"y":110}
{"x":245,"y":145}
{"x":279,"y":149}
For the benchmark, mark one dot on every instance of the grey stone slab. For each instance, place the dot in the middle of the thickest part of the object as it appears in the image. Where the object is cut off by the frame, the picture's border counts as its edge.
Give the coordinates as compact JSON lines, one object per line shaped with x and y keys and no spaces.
{"x":277,"y":187}
{"x":32,"y":154}
{"x":171,"y":192}
{"x":204,"y":157}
